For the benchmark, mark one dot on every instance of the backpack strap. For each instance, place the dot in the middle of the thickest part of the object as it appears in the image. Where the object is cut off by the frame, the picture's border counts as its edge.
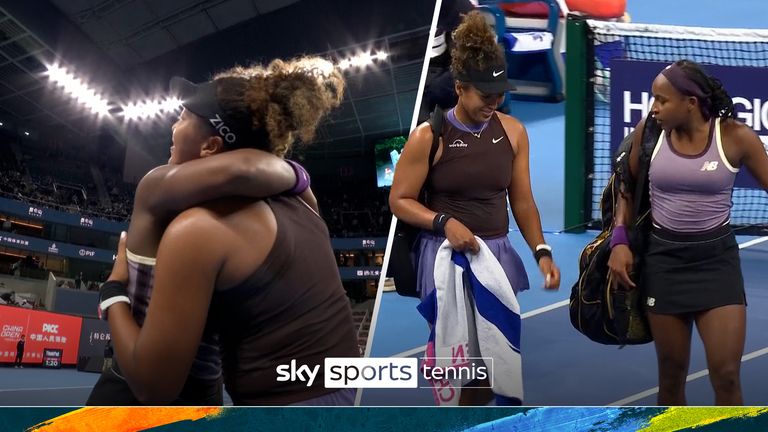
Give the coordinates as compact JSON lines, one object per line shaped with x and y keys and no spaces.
{"x":436,"y":123}
{"x":651,"y":134}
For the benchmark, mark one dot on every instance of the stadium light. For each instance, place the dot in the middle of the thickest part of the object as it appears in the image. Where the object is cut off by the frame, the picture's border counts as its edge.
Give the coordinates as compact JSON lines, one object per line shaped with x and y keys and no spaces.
{"x":362,"y":60}
{"x":78,"y":90}
{"x":151,"y":108}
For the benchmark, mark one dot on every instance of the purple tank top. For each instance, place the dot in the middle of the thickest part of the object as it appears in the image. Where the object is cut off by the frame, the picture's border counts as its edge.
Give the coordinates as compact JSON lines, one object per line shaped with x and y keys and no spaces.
{"x":691,"y":193}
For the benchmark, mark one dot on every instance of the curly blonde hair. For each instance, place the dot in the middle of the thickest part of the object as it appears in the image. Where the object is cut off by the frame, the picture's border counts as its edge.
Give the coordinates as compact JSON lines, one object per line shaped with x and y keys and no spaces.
{"x":281,"y":103}
{"x":474,"y":45}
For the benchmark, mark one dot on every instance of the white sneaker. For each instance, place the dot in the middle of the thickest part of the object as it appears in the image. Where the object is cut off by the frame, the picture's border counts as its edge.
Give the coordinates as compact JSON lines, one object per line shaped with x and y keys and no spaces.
{"x":389,"y":285}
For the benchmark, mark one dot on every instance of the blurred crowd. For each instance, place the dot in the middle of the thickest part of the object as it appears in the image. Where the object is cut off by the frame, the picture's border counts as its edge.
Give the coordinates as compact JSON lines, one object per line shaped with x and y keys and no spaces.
{"x":350,"y":207}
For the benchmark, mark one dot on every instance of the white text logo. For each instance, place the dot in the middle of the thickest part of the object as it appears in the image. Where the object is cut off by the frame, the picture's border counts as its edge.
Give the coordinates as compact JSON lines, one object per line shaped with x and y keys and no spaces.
{"x":51,"y":328}
{"x":292,"y":372}
{"x":223,"y":130}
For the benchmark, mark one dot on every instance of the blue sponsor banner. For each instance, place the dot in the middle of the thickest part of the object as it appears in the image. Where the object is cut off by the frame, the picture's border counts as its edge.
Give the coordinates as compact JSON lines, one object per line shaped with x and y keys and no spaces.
{"x":45,"y":214}
{"x":351,"y":273}
{"x":378,"y":243}
{"x":631,"y":99}
{"x":48,"y":247}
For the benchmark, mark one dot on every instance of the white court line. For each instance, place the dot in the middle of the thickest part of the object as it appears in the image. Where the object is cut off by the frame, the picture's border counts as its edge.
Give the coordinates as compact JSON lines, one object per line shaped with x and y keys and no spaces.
{"x":388,"y":250}
{"x":532,"y":313}
{"x":47,"y":388}
{"x":752,"y":242}
{"x":544,"y":309}
{"x":691,"y":377}
{"x":637,"y":396}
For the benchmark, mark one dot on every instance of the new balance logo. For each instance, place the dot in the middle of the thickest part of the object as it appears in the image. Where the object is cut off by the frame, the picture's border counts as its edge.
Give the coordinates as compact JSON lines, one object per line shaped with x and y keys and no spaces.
{"x":709,"y":166}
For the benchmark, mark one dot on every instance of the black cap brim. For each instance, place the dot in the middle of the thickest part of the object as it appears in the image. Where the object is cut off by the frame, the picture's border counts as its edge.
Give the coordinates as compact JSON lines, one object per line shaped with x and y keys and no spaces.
{"x":494,"y":87}
{"x":198,"y":98}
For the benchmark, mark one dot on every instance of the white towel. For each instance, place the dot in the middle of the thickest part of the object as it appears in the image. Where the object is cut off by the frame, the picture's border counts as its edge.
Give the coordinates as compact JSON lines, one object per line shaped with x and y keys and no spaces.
{"x":477,"y":315}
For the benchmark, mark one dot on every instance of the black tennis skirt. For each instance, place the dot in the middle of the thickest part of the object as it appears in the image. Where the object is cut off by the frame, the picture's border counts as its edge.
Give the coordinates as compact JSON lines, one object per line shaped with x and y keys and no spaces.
{"x":685,"y":273}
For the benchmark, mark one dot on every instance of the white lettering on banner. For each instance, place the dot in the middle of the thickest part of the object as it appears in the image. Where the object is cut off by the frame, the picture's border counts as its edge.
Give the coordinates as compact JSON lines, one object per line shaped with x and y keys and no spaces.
{"x":51,"y":328}
{"x":11,"y":331}
{"x":53,"y":248}
{"x":85,"y":252}
{"x":755,"y":113}
{"x":292,"y":372}
{"x":98,"y":337}
{"x":644,"y":106}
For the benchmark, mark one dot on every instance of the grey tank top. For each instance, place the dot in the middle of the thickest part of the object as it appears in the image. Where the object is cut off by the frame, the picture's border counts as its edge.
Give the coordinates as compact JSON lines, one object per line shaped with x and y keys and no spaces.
{"x":141,"y":279}
{"x":691,"y":193}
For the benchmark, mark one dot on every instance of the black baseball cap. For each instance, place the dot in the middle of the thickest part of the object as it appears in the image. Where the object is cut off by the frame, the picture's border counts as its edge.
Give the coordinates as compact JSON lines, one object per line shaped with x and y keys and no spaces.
{"x":201,"y":99}
{"x":490,"y":80}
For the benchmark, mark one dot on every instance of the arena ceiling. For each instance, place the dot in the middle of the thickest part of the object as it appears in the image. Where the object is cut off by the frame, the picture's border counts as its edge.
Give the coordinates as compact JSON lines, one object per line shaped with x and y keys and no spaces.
{"x":130,"y":48}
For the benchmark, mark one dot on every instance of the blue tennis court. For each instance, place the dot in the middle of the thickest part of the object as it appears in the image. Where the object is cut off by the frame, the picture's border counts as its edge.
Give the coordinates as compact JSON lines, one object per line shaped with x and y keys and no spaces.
{"x":561,"y":366}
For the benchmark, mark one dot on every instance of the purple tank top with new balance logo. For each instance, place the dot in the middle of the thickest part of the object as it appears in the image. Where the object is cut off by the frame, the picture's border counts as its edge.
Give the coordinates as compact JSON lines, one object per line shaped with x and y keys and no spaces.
{"x":691,"y":193}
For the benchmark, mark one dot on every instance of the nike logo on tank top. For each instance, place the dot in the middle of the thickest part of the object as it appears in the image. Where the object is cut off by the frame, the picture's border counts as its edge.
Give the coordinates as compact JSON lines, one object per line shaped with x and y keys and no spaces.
{"x":470,"y":180}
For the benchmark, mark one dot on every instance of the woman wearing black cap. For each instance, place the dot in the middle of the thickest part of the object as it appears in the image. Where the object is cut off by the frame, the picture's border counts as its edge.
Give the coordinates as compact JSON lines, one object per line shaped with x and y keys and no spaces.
{"x":161,"y":195}
{"x":259,"y":275}
{"x":482,"y":160}
{"x":691,"y":271}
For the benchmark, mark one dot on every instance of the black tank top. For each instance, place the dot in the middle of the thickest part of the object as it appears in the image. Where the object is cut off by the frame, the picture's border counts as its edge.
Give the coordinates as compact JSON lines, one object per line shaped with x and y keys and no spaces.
{"x":470,"y":180}
{"x":292,"y":307}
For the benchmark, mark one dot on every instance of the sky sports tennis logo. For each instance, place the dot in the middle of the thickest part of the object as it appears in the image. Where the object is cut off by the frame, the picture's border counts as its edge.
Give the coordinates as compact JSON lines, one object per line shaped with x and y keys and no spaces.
{"x":352,"y":372}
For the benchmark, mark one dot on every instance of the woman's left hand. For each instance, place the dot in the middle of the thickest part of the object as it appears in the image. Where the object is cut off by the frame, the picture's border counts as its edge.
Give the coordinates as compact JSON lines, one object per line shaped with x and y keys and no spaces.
{"x":120,"y":268}
{"x":550,"y":272}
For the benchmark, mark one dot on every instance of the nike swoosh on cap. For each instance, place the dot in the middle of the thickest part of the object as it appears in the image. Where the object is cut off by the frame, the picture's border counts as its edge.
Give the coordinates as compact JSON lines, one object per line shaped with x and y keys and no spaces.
{"x":495,"y":74}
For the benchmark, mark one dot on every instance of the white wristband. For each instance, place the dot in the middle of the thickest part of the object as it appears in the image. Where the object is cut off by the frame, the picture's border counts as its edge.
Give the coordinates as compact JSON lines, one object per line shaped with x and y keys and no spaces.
{"x":543,"y":246}
{"x":109,"y":302}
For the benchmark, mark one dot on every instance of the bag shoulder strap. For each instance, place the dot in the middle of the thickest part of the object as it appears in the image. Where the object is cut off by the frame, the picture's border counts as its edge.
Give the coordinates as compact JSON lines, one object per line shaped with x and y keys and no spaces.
{"x":436,"y":123}
{"x":651,"y":134}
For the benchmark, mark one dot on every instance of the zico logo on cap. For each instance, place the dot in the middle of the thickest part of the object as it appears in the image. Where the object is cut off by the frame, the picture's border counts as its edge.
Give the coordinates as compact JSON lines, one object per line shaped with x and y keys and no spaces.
{"x":223,"y":130}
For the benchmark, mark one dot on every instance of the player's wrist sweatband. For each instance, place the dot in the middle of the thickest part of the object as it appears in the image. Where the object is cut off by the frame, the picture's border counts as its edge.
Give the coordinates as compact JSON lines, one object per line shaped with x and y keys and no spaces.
{"x":438,"y":223}
{"x":302,"y":178}
{"x":112,"y":292}
{"x":619,"y":236}
{"x":542,"y":250}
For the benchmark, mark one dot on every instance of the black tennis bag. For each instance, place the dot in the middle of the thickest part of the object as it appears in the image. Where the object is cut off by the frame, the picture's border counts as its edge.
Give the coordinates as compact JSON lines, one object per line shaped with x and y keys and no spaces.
{"x":601,"y":311}
{"x":401,"y":266}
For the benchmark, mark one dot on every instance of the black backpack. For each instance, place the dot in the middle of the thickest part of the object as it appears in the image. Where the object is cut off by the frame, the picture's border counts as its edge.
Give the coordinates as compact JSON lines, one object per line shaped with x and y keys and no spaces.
{"x":401,"y":266}
{"x":616,"y":316}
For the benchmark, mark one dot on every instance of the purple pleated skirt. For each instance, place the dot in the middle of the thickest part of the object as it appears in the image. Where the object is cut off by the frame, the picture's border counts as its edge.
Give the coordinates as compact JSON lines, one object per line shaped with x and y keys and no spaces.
{"x":426,"y":251}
